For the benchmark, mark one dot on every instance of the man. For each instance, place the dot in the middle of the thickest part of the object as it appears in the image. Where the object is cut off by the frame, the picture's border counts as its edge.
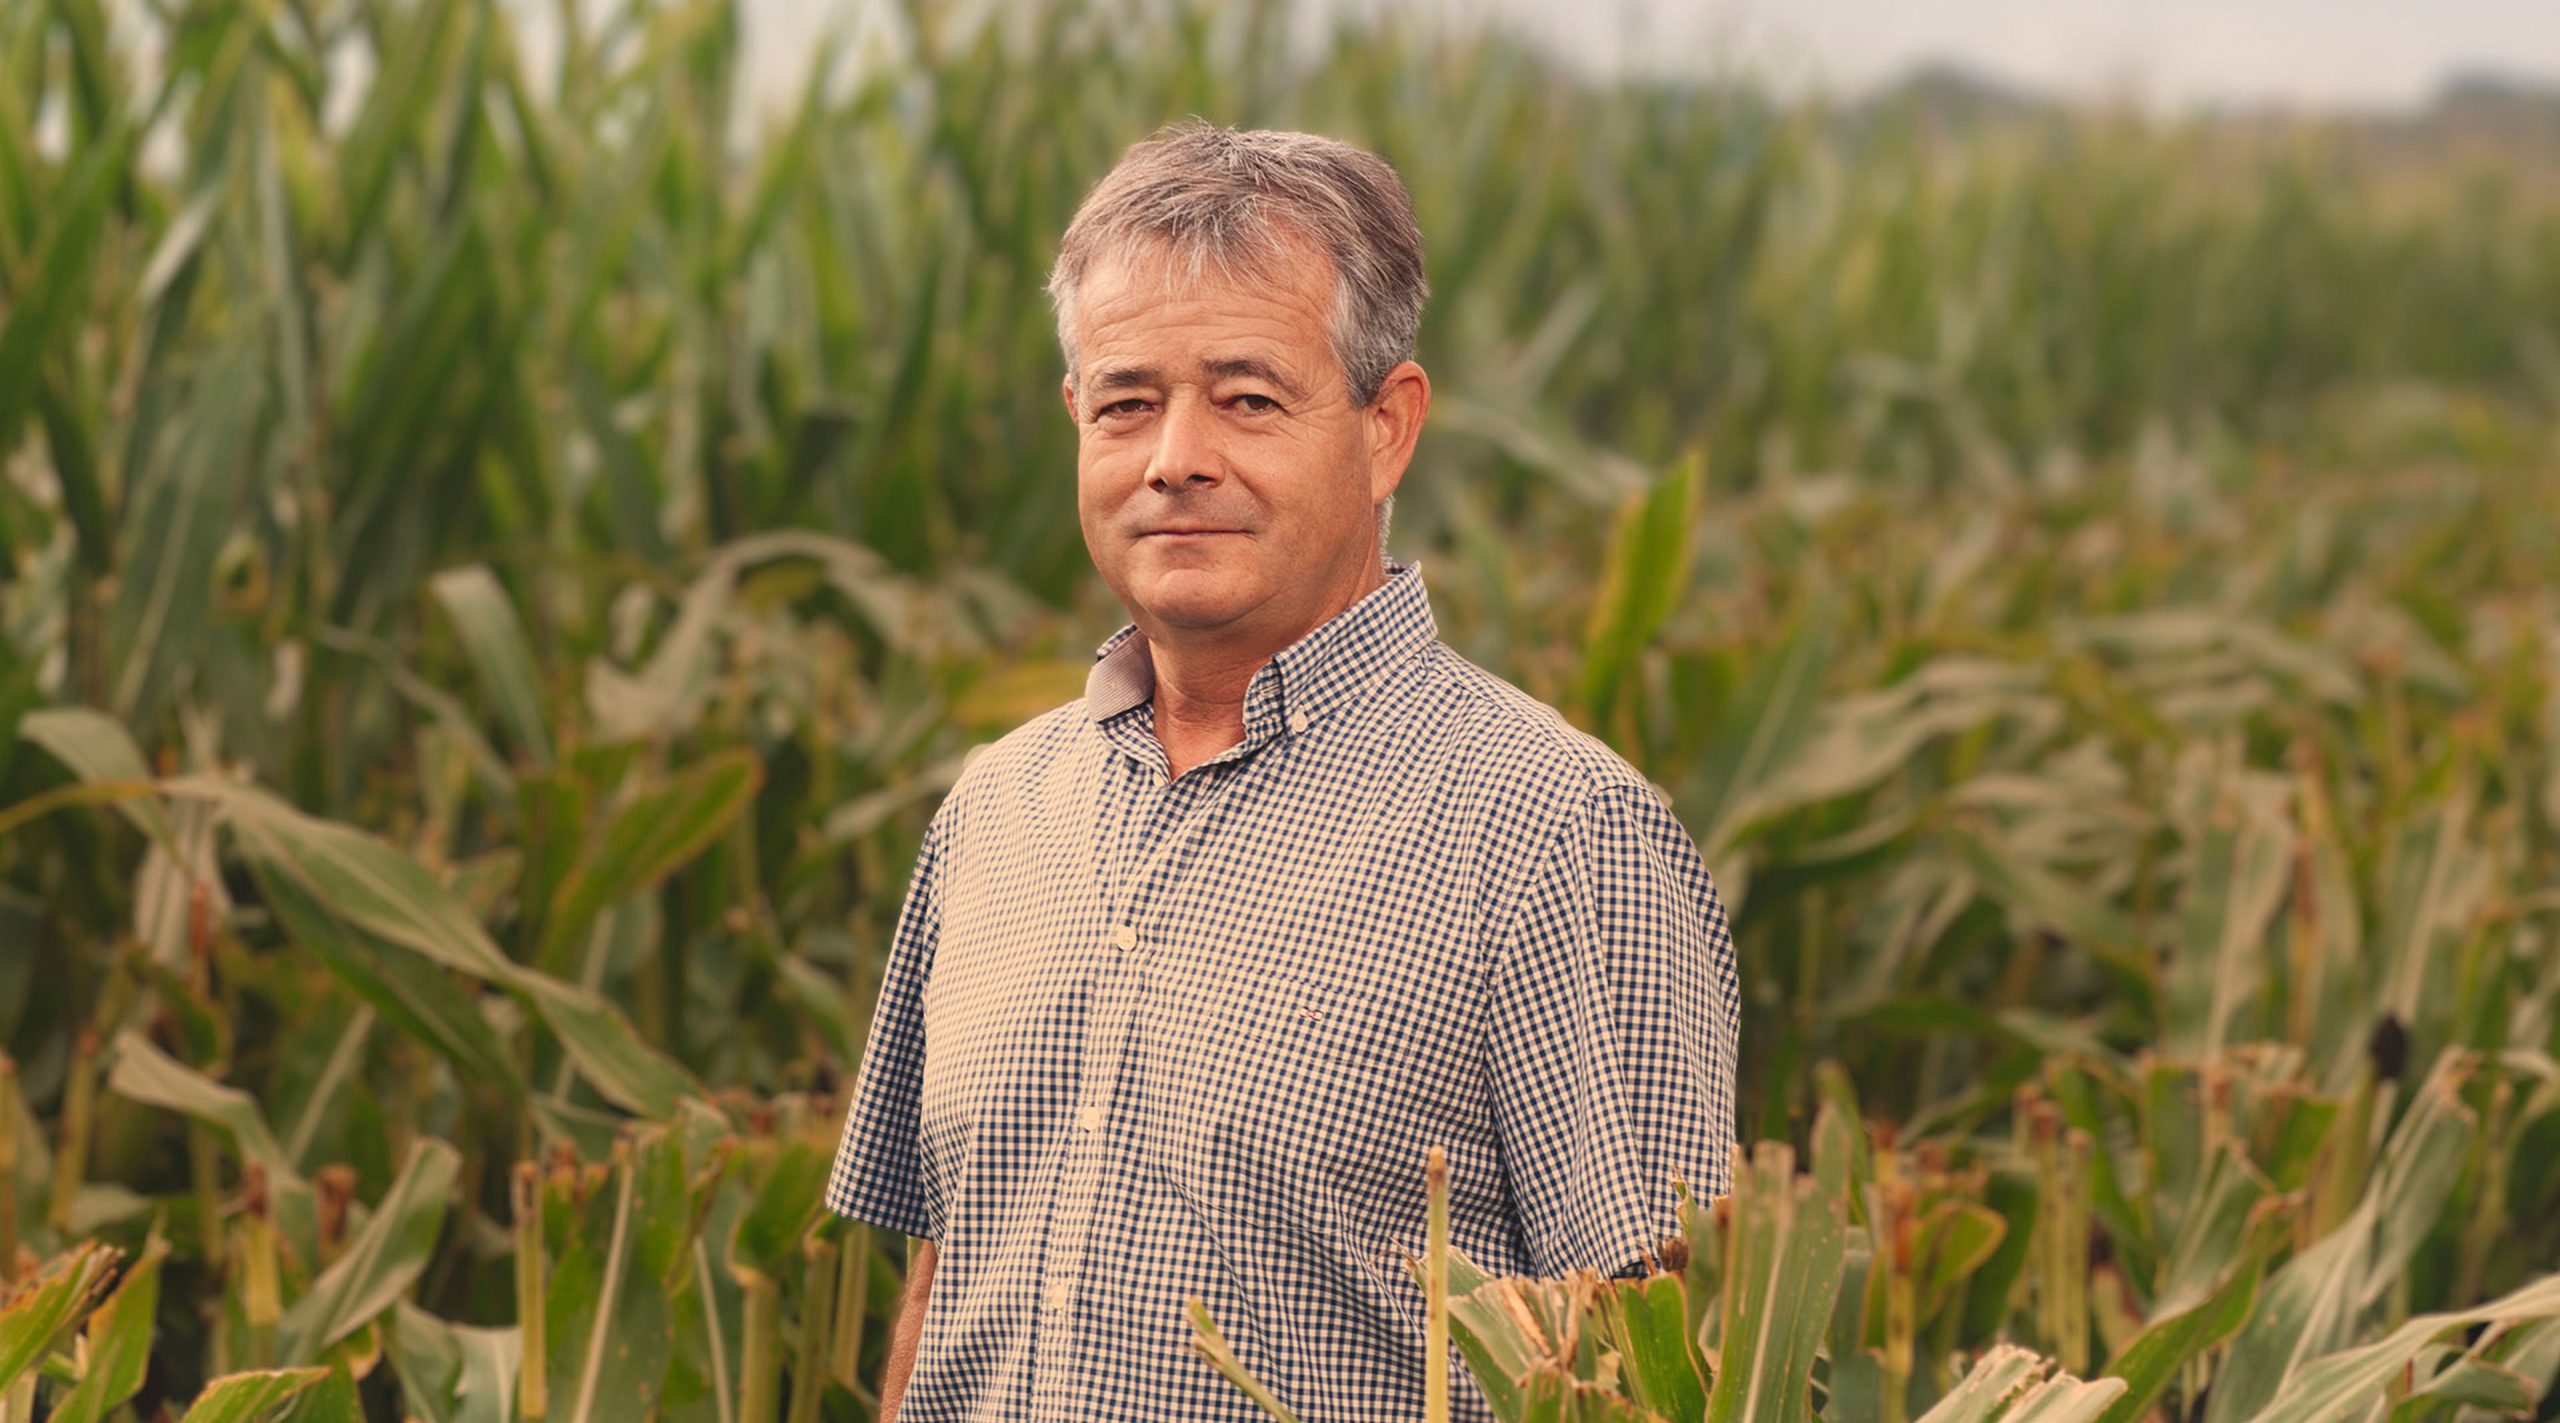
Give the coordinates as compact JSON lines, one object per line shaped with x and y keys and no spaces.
{"x":1193,"y":971}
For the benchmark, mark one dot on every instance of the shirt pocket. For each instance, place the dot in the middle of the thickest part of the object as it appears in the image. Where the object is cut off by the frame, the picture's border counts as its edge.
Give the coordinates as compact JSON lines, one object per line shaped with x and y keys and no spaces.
{"x":1263,"y":1085}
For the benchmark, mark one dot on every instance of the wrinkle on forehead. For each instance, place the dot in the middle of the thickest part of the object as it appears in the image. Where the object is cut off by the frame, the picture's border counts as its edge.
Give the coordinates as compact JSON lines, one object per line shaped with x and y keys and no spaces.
{"x":1268,"y":312}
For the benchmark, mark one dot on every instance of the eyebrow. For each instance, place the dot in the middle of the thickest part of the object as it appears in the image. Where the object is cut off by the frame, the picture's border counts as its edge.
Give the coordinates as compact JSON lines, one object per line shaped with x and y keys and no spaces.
{"x":1125,"y":377}
{"x":1249,"y":368}
{"x":1111,"y":378}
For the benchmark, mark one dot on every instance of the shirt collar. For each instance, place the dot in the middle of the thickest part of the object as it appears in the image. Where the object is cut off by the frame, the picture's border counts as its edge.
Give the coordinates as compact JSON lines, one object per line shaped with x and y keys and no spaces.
{"x":1331,"y":667}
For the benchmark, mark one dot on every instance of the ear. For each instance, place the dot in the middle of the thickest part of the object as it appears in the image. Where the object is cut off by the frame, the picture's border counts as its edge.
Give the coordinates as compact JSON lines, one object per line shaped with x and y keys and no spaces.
{"x":1394,"y":423}
{"x":1067,"y":393}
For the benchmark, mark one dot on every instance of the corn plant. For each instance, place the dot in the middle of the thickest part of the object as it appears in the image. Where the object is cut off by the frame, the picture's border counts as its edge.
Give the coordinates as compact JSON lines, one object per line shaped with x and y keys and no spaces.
{"x":1811,"y":1295}
{"x":498,"y":562}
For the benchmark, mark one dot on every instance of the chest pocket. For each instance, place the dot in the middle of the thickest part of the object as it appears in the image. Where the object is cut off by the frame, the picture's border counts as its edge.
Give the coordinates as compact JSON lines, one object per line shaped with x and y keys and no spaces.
{"x":1273,"y":1092}
{"x":1247,"y":1090}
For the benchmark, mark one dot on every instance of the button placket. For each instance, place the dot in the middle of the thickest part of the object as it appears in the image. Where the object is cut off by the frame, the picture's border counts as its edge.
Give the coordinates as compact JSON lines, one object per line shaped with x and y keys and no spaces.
{"x":1106,"y":1042}
{"x":1145,"y":845}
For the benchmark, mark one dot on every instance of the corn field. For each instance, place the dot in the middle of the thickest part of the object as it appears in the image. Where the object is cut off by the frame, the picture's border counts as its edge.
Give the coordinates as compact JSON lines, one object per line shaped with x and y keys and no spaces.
{"x":498,"y":564}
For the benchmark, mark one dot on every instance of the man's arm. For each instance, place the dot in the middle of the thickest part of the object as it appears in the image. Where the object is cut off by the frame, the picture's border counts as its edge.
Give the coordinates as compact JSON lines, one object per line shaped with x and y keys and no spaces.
{"x":1613,"y":1033}
{"x":879,"y":1173}
{"x":904,"y":1334}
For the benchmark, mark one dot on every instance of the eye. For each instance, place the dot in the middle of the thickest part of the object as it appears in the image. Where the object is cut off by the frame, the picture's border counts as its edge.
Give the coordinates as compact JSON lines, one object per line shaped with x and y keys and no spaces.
{"x":1121,"y":409}
{"x":1256,"y":404}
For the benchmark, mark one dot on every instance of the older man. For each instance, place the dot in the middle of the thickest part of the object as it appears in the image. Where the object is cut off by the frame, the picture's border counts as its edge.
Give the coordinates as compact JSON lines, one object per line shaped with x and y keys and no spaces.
{"x":1193,"y":971}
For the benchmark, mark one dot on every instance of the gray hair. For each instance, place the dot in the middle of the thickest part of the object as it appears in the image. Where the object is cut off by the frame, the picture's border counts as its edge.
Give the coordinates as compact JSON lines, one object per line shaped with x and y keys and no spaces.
{"x":1200,"y":196}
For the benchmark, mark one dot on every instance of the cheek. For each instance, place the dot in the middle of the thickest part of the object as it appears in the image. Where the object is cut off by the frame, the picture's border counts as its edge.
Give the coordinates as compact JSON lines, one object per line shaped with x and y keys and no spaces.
{"x":1105,"y":462}
{"x":1093,"y":469}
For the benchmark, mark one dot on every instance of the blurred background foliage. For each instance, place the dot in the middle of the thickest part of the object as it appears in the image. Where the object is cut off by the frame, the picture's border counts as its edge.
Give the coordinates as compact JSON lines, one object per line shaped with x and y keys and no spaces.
{"x":496,"y":570}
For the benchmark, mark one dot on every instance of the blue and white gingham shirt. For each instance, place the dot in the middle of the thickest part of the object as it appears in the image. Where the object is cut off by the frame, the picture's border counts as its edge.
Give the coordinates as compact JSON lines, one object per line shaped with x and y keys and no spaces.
{"x":1143,"y":1040}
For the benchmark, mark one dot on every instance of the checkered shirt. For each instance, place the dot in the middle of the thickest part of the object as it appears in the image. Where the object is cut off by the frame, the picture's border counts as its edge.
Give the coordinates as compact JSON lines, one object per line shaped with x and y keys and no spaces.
{"x":1141,"y":1041}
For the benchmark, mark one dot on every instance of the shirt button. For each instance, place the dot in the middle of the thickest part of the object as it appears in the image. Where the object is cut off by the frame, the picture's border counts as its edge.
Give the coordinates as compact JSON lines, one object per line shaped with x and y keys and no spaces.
{"x":1297,"y":721}
{"x":1061,"y":1295}
{"x":1126,"y":936}
{"x":1090,"y":1119}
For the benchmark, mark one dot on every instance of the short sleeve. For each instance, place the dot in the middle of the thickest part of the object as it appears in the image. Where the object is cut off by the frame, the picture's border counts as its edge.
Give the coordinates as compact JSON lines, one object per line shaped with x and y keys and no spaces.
{"x":879,"y":1175}
{"x":1613,"y":1028}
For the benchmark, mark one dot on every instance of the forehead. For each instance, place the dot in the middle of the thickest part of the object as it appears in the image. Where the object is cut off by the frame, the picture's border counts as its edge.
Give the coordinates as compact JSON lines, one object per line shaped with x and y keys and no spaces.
{"x":1151,"y":298}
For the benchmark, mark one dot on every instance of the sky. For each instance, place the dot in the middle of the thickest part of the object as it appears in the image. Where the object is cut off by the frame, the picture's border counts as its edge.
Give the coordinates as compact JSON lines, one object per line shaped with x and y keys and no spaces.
{"x":2171,"y":54}
{"x":2164,"y":55}
{"x":2176,"y":53}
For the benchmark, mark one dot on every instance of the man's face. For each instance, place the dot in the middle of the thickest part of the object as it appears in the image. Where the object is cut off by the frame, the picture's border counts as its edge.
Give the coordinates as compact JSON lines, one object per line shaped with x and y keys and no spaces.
{"x":1217,"y":404}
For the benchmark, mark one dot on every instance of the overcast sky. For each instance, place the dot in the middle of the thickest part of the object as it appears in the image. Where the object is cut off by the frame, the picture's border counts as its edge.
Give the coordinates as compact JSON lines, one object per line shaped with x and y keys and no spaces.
{"x":2164,"y":52}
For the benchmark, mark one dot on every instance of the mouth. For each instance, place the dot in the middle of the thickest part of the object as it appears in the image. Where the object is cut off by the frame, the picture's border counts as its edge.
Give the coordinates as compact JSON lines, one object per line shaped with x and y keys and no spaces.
{"x":1191,"y":534}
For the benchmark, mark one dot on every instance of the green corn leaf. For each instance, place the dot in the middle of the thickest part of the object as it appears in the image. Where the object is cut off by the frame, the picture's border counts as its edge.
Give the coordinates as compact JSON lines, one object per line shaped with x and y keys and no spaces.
{"x":2173,"y":1338}
{"x":646,"y":839}
{"x":786,"y":1200}
{"x":56,"y":290}
{"x":96,"y":748}
{"x":332,"y":1400}
{"x":1836,"y":1148}
{"x":1784,"y":1277}
{"x":1648,"y":1320}
{"x":2241,"y":877}
{"x":484,"y":618}
{"x":1956,"y":1240}
{"x":119,"y":1342}
{"x":75,"y":465}
{"x":1499,"y":1353}
{"x":2047,"y":900}
{"x":380,"y":1264}
{"x":2477,"y":1384}
{"x":395,"y":113}
{"x":1207,"y":1342}
{"x":1548,"y":1397}
{"x":1648,"y":570}
{"x":630,"y":475}
{"x":268,"y":1396}
{"x":2531,"y":1351}
{"x":1863,"y":740}
{"x":2008,"y":1384}
{"x":2424,"y":912}
{"x":2215,"y":1229}
{"x":409,"y":990}
{"x":2339,"y":1384}
{"x":552,"y":813}
{"x":179,"y":508}
{"x":1855,"y":1385}
{"x":143,"y":1073}
{"x":786,"y":161}
{"x":1494,"y":1316}
{"x":376,"y":889}
{"x":825,"y":1003}
{"x":609,"y":1052}
{"x":2066,"y":1400}
{"x":453,"y":1373}
{"x":57,"y":1299}
{"x":1768,"y":721}
{"x":607,"y":1318}
{"x":2313,"y":1305}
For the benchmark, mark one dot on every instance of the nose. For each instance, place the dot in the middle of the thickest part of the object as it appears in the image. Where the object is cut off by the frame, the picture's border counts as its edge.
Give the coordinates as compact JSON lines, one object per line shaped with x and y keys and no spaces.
{"x":1186,"y":449}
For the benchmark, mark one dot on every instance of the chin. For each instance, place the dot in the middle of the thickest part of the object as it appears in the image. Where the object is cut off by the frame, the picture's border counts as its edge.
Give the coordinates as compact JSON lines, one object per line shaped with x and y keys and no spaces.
{"x":1195,"y":598}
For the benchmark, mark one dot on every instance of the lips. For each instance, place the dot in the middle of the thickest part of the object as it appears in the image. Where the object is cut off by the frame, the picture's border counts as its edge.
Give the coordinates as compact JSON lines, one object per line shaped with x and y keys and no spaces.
{"x":1185,"y":533}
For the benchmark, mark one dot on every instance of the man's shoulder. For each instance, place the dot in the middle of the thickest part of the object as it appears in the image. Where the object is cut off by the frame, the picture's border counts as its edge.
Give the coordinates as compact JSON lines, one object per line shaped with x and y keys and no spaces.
{"x":1464,"y":720}
{"x":1544,"y":763}
{"x":1022,"y":752}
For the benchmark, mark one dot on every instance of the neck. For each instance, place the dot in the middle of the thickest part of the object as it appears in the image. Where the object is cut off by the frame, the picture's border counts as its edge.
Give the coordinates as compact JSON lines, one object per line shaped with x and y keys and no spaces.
{"x":1201,"y":678}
